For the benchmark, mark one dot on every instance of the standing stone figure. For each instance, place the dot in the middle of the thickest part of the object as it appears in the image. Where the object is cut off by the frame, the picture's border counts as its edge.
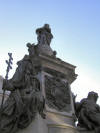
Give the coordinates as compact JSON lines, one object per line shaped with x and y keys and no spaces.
{"x":88,"y":112}
{"x":25,"y":99}
{"x":44,"y":35}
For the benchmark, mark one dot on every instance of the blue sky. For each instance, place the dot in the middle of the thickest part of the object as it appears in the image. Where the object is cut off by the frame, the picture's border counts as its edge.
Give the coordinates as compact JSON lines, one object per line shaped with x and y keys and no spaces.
{"x":75,"y":26}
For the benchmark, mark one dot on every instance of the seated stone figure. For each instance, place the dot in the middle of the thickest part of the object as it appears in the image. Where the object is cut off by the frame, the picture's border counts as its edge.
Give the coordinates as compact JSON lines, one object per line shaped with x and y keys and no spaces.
{"x":25,"y":99}
{"x":88,"y":112}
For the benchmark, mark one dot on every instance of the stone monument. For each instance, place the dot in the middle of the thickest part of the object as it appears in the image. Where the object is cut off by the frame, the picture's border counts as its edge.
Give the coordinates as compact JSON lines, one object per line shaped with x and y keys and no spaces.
{"x":40,"y":99}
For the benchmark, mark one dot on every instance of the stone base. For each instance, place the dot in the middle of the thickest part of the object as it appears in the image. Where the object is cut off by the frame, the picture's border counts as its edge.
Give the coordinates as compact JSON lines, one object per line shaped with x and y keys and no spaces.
{"x":37,"y":126}
{"x":61,"y":129}
{"x":58,"y":123}
{"x":40,"y":125}
{"x":84,"y":130}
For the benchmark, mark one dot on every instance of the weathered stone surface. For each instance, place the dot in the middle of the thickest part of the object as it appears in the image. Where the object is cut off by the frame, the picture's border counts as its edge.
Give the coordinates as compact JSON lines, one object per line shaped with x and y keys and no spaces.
{"x":88,"y":113}
{"x":38,"y":125}
{"x":68,"y":108}
{"x":57,"y":93}
{"x":61,"y":129}
{"x":57,"y":118}
{"x":55,"y":66}
{"x":25,"y":99}
{"x":24,"y":109}
{"x":44,"y":37}
{"x":84,"y":130}
{"x":1,"y":91}
{"x":58,"y":123}
{"x":1,"y":83}
{"x":52,"y":124}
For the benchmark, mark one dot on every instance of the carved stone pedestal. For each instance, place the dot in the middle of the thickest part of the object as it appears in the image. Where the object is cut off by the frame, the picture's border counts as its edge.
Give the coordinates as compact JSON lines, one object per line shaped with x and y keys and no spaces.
{"x":52,"y":124}
{"x":55,"y":78}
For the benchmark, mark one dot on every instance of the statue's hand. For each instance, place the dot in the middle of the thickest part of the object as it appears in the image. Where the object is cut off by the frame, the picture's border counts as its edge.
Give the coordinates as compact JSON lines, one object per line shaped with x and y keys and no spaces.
{"x":4,"y":84}
{"x":7,"y":85}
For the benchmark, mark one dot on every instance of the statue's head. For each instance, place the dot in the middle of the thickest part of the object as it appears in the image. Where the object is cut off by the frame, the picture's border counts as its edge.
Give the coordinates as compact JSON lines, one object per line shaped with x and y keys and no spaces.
{"x":46,"y":26}
{"x":93,"y":95}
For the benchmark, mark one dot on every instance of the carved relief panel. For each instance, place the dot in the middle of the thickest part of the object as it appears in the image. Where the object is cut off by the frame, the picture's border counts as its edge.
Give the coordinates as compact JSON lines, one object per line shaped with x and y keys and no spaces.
{"x":57,"y":93}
